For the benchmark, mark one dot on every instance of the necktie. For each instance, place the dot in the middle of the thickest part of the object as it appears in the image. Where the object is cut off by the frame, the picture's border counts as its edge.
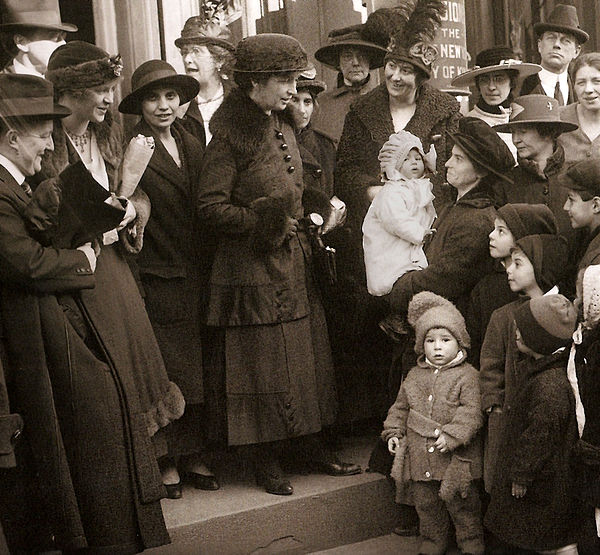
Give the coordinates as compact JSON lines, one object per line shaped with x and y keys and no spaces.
{"x":25,"y":186}
{"x":558,"y":94}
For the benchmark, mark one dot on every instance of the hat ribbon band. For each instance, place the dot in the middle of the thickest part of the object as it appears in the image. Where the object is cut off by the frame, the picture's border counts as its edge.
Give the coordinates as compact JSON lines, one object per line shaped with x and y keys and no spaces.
{"x":26,"y":106}
{"x":507,"y":62}
{"x":154,"y":76}
{"x":39,"y":16}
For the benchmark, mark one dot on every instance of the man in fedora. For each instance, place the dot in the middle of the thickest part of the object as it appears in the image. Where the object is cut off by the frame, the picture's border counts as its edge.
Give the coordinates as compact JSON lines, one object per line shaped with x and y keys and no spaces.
{"x":559,"y":42}
{"x":349,"y":53}
{"x":30,"y":31}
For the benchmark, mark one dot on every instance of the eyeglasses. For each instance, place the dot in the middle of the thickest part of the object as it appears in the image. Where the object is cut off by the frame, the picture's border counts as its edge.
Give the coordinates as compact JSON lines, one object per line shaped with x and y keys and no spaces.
{"x":495,"y":79}
{"x":195,"y":50}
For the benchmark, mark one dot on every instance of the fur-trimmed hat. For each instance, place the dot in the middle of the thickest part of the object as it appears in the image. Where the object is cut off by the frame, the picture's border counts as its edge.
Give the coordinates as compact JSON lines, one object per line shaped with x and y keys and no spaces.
{"x":427,"y":311}
{"x":547,"y":254}
{"x":270,"y":53}
{"x":80,"y":65}
{"x":528,"y":219}
{"x":399,"y":145}
{"x":546,"y":323}
{"x":198,"y":31}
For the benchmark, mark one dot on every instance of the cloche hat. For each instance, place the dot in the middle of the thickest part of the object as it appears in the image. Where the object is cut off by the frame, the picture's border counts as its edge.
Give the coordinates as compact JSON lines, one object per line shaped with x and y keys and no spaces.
{"x":563,"y":19}
{"x":25,"y":14}
{"x":497,"y":58}
{"x":270,"y":53}
{"x":154,"y":74}
{"x":28,"y":96}
{"x":535,"y":108}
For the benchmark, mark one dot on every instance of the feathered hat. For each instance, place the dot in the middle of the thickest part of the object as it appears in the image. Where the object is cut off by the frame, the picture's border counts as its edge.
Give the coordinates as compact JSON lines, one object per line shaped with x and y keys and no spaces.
{"x":209,"y":27}
{"x":407,"y":32}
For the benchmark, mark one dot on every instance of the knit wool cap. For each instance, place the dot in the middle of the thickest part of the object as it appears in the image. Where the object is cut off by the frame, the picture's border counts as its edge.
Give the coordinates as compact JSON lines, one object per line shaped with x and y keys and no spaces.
{"x":584,"y":176}
{"x":427,"y":311}
{"x":400,"y":144}
{"x":270,"y":52}
{"x":591,"y":295}
{"x":546,"y":323}
{"x":80,"y":65}
{"x":528,"y":219}
{"x":548,"y":256}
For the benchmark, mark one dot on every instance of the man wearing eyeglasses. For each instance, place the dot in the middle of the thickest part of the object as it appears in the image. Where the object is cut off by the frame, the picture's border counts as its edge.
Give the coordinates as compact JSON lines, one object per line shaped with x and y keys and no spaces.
{"x":559,"y":42}
{"x":30,"y":31}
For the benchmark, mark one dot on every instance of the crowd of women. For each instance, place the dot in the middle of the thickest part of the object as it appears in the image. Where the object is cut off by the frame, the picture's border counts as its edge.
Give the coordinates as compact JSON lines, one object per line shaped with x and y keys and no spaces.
{"x":147,"y":329}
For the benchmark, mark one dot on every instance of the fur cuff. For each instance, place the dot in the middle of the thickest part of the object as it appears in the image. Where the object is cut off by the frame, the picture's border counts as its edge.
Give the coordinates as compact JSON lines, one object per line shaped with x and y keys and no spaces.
{"x":272,"y":224}
{"x":169,"y":408}
{"x":457,"y":479}
{"x":132,"y":237}
{"x":315,"y":200}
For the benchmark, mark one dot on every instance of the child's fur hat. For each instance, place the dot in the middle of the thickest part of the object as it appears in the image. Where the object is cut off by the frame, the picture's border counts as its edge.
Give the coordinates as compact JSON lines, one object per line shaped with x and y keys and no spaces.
{"x":396,"y":149}
{"x":546,"y":323}
{"x":427,"y":311}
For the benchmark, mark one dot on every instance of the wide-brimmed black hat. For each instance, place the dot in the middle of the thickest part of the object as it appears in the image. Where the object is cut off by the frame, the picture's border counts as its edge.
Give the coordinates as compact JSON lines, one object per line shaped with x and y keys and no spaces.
{"x":24,"y":14}
{"x":155,"y":74}
{"x":532,"y":109}
{"x":270,"y":53}
{"x":483,"y":146}
{"x":563,"y":19}
{"x":497,"y":58}
{"x":198,"y":30}
{"x":28,"y":96}
{"x":349,"y":37}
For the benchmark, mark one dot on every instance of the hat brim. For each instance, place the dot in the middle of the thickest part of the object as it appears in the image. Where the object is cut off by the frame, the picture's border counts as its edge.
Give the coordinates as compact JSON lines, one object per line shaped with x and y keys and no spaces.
{"x":476,"y":156}
{"x":58,"y":111}
{"x":564,"y":126}
{"x":284,"y":70}
{"x":204,"y":41}
{"x":579,"y":34}
{"x":68,"y":27}
{"x":187,"y":88}
{"x":314,"y":86}
{"x":330,"y":53}
{"x":469,"y":77}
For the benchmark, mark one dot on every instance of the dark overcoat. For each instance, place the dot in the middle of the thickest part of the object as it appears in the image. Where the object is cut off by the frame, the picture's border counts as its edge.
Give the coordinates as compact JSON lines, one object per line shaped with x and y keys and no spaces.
{"x":537,"y":448}
{"x":317,"y":151}
{"x":87,"y":432}
{"x":114,"y":308}
{"x":168,"y":264}
{"x":532,"y":85}
{"x":278,"y":371}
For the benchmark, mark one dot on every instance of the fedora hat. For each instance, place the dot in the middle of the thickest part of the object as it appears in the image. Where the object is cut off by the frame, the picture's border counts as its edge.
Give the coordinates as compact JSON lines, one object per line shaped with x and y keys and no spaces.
{"x":532,"y":109}
{"x":155,"y":74}
{"x":483,"y":146}
{"x":349,"y":37}
{"x":198,"y":30}
{"x":42,"y":14}
{"x":28,"y":96}
{"x":497,"y":58}
{"x":563,"y":18}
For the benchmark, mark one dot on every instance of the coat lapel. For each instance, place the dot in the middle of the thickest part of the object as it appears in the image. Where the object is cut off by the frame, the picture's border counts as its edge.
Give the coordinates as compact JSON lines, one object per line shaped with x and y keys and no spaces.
{"x":10,"y":182}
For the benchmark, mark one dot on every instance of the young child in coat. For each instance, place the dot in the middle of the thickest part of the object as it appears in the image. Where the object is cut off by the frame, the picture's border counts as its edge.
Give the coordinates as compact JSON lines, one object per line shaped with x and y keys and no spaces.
{"x":532,"y":505}
{"x":534,"y":269}
{"x":433,"y":428}
{"x":401,"y":214}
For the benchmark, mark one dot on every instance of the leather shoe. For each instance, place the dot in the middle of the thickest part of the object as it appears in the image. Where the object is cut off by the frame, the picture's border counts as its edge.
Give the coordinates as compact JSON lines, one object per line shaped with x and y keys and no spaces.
{"x":173,"y":491}
{"x":336,"y":468}
{"x":203,"y":481}
{"x":274,"y":484}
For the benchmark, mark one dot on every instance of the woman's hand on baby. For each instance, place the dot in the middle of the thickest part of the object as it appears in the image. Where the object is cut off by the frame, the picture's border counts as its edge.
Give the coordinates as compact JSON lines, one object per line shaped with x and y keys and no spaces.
{"x":441,"y":444}
{"x":393,"y":444}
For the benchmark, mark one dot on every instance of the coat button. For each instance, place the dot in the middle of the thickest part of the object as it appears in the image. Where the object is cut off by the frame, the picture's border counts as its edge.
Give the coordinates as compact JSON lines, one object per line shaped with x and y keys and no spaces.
{"x":436,"y":432}
{"x":279,"y":135}
{"x":430,"y":398}
{"x":318,"y":171}
{"x":288,"y":405}
{"x":287,"y":157}
{"x":431,"y":449}
{"x":436,"y":371}
{"x":16,"y":435}
{"x":428,"y":474}
{"x":291,"y":169}
{"x":588,"y":154}
{"x":284,"y":146}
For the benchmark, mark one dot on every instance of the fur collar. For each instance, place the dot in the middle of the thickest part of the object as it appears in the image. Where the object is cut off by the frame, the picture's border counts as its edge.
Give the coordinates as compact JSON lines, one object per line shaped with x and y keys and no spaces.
{"x":554,"y":164}
{"x":241,"y":123}
{"x":433,"y":106}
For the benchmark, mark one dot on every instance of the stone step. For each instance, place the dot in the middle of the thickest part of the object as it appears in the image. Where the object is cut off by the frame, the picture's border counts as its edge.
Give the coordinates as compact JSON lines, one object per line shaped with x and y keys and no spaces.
{"x":324,"y":512}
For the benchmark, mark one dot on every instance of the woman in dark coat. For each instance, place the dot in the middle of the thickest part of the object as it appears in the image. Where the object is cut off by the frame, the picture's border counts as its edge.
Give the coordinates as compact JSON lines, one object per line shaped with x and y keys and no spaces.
{"x":273,"y":357}
{"x":171,"y":272}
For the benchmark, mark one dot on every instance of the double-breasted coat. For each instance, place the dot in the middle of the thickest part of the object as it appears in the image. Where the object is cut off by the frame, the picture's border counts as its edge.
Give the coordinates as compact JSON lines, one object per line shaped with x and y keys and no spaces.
{"x":275,"y":353}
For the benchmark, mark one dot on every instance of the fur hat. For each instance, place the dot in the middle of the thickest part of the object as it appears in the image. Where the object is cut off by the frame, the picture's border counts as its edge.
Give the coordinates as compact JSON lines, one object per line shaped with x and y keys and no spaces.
{"x":548,"y":256}
{"x":399,"y":145}
{"x":270,"y":53}
{"x":528,"y":219}
{"x":81,"y":65}
{"x":590,"y":290}
{"x":546,"y":323}
{"x":209,"y":27}
{"x":427,"y":311}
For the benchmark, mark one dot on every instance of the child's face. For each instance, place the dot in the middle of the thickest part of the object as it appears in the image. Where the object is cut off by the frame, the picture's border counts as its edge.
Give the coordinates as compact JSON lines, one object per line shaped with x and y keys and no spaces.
{"x":413,"y":167}
{"x":501,"y":240}
{"x":581,"y":212}
{"x":440,"y":346}
{"x":520,"y":272}
{"x":521,"y":346}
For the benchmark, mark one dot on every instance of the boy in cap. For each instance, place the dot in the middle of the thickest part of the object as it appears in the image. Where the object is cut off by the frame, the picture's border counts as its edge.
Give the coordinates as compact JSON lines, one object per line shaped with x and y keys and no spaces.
{"x":532,"y":503}
{"x":583,"y":206}
{"x":432,"y":428}
{"x":401,"y":215}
